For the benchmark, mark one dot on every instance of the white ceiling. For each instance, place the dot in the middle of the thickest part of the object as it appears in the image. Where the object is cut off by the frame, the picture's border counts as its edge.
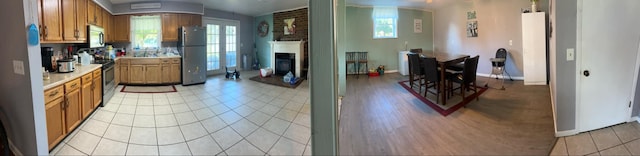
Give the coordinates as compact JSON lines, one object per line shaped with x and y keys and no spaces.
{"x":263,"y":7}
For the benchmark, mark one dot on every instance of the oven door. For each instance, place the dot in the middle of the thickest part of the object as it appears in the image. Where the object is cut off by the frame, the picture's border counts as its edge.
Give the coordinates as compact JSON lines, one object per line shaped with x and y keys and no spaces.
{"x":108,"y":84}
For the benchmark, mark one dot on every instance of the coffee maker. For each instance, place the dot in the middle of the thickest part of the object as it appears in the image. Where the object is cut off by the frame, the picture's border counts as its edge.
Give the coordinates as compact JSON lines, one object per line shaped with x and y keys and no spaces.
{"x":47,"y":61}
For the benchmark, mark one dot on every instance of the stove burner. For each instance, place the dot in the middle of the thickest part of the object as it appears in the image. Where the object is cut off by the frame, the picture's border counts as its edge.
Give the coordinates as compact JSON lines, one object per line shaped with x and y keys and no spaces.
{"x":105,"y":63}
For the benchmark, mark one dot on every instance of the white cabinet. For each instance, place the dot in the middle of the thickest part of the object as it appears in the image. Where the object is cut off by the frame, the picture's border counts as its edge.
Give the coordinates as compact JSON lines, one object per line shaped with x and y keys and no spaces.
{"x":534,"y":48}
{"x":403,"y":60}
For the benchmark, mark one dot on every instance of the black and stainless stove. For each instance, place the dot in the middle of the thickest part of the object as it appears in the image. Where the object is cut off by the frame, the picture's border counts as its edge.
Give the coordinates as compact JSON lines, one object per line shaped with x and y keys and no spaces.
{"x":108,"y":83}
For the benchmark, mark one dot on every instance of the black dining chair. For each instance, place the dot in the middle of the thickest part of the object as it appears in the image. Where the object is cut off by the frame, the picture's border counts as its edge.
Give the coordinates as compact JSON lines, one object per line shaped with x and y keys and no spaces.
{"x":415,"y":70}
{"x":432,"y":77}
{"x":466,"y":79}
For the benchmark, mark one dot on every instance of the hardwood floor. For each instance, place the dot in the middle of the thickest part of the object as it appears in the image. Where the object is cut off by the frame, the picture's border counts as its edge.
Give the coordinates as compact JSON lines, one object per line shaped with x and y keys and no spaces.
{"x":379,"y":117}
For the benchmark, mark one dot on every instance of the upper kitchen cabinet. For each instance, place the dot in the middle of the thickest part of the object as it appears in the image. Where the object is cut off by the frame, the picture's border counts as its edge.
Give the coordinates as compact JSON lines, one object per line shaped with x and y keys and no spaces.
{"x":106,"y":24}
{"x":92,"y":17}
{"x":51,"y":19}
{"x":94,"y":13}
{"x":74,"y":24}
{"x":190,"y":20}
{"x":99,"y":13}
{"x":121,"y":28}
{"x":169,"y":27}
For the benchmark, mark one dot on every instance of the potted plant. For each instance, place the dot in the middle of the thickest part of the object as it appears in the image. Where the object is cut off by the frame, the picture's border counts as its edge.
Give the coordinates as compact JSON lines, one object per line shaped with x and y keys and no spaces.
{"x":533,"y":6}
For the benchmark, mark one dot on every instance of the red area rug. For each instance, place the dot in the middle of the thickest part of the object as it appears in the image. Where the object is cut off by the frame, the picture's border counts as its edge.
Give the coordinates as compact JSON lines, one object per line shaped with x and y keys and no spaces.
{"x":454,"y":103}
{"x":149,"y":89}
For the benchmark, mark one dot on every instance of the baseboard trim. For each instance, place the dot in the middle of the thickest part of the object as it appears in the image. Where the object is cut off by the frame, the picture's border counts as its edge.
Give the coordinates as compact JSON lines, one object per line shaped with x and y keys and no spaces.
{"x":635,"y":118}
{"x":390,"y":71}
{"x":501,"y":77}
{"x":566,"y":133}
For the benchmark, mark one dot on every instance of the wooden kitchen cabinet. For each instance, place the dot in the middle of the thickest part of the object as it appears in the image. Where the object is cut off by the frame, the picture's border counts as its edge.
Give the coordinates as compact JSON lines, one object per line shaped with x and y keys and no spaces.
{"x":151,"y":71}
{"x":175,"y":70}
{"x":92,"y":17}
{"x":136,"y":74}
{"x":99,"y":12}
{"x":121,"y":28}
{"x":52,"y":21}
{"x":87,"y":95}
{"x":190,"y":20}
{"x":73,"y":100}
{"x":54,"y":109}
{"x":124,"y":70}
{"x":169,"y":27}
{"x":116,"y":73}
{"x":97,"y":87}
{"x":55,"y":121}
{"x":166,"y":70}
{"x":106,"y":25}
{"x":152,"y":74}
{"x":74,"y":20}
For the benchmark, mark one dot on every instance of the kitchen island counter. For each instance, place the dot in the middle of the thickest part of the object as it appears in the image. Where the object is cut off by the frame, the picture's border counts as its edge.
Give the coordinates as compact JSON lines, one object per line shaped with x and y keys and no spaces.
{"x":61,"y":78}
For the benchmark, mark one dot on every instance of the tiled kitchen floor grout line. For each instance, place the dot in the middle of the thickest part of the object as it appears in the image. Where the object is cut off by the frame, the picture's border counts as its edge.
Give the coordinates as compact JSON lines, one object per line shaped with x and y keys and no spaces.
{"x":597,"y":150}
{"x":298,"y":113}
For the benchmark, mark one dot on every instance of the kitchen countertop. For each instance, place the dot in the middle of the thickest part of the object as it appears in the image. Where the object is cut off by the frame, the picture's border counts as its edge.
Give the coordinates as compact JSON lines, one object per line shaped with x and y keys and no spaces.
{"x":131,"y":57}
{"x":61,"y":78}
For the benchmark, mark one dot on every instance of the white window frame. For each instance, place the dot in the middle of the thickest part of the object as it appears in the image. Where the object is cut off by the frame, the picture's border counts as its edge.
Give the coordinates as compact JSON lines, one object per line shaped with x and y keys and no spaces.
{"x":159,"y":36}
{"x":394,"y":25}
{"x":385,"y":13}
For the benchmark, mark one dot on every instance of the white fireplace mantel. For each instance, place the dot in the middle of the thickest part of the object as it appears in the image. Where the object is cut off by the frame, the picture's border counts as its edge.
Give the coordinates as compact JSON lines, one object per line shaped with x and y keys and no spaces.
{"x":295,"y":47}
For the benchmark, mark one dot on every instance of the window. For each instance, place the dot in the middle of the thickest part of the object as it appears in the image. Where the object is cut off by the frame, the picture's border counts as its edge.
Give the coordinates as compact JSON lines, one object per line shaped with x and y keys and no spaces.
{"x":231,"y":45}
{"x":385,"y":20}
{"x":146,"y":32}
{"x":213,"y":47}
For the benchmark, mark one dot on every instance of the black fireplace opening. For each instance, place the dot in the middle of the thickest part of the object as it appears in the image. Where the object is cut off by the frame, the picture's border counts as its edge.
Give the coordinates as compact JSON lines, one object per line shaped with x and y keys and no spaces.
{"x":285,"y":62}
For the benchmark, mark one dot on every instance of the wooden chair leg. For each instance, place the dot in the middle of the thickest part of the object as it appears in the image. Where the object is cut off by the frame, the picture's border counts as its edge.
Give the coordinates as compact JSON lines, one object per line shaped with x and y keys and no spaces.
{"x":462,"y":88}
{"x":475,"y":91}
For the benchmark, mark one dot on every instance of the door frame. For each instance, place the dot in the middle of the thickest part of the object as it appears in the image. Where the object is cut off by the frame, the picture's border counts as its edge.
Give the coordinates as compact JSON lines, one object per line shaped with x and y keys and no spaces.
{"x":578,"y":70}
{"x":223,"y":60}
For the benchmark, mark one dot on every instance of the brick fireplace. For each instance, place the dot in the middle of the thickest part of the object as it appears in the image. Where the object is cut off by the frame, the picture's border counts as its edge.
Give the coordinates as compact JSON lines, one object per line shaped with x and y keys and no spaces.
{"x":286,"y":49}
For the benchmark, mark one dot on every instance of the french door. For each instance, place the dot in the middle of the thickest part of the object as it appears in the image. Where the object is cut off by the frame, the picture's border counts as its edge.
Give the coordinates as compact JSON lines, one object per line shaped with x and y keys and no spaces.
{"x":222,"y":44}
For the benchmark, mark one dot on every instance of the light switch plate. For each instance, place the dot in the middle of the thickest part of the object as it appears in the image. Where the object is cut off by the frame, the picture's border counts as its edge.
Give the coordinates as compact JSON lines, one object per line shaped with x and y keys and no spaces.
{"x":18,"y":67}
{"x":570,"y":54}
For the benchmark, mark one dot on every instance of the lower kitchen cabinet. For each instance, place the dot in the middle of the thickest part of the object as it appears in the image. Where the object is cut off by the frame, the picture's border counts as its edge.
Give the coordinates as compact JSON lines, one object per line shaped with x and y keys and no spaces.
{"x":152,"y":74}
{"x":150,"y":71}
{"x":87,"y":94}
{"x":73,"y":111}
{"x":97,"y":88}
{"x":54,"y":108}
{"x":67,"y":105}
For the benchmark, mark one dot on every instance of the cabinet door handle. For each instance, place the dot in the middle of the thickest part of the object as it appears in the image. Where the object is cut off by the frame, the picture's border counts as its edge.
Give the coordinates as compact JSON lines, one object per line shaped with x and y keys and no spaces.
{"x":53,"y":94}
{"x":46,"y":31}
{"x":74,"y":85}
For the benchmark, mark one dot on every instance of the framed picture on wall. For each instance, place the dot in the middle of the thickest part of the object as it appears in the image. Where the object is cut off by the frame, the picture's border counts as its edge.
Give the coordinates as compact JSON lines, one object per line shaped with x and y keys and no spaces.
{"x":289,"y":26}
{"x":471,"y":15}
{"x":472,"y":28}
{"x":417,"y":25}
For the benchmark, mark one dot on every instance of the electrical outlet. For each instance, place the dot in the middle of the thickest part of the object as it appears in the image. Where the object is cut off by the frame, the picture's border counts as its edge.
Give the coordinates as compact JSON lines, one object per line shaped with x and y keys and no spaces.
{"x":570,"y":54}
{"x":510,"y":42}
{"x":18,"y":67}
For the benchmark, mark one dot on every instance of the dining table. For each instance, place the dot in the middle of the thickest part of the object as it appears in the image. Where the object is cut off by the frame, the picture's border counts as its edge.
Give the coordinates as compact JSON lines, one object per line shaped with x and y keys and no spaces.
{"x":444,"y":60}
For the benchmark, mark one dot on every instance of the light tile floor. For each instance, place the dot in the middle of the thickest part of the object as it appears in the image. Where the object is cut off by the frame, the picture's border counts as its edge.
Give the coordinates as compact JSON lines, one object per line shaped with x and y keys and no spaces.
{"x":623,"y":139}
{"x":220,"y":117}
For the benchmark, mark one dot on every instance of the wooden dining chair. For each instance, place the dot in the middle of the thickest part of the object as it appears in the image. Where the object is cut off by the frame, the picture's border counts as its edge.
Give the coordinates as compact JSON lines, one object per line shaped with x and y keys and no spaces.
{"x":415,"y":71}
{"x":432,"y":77}
{"x":466,"y":79}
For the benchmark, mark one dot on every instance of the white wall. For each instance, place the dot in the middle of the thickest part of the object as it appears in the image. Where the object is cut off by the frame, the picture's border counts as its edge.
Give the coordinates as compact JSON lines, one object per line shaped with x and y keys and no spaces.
{"x":22,"y":100}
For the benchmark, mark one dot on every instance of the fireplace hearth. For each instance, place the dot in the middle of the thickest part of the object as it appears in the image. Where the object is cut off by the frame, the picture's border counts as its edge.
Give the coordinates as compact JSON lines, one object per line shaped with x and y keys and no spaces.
{"x":285,"y":63}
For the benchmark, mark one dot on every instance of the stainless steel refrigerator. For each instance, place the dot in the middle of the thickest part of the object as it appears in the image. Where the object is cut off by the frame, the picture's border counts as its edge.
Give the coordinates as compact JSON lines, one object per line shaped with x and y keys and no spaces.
{"x":192,"y":45}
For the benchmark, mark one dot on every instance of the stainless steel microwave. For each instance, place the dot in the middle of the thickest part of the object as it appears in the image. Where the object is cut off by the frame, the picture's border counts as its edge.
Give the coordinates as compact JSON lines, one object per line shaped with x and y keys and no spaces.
{"x":96,"y":36}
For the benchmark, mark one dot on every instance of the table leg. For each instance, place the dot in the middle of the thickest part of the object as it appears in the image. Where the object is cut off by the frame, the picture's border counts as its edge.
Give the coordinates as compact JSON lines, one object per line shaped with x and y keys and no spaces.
{"x":442,"y":84}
